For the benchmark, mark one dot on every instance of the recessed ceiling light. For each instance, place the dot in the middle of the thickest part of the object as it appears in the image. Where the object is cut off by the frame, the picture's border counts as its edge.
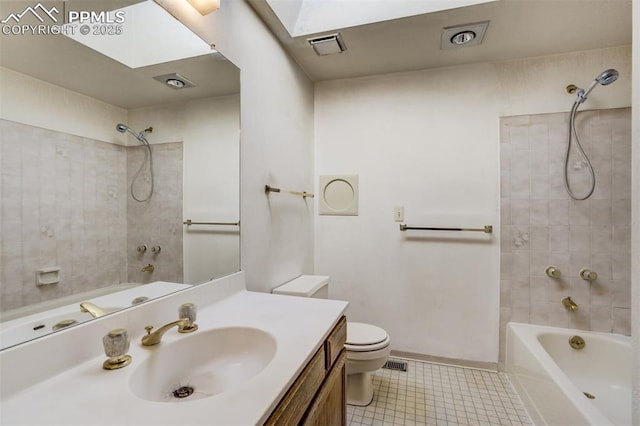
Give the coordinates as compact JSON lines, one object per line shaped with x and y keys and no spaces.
{"x":327,"y":44}
{"x":178,"y":84}
{"x":463,"y":35}
{"x":175,"y":81}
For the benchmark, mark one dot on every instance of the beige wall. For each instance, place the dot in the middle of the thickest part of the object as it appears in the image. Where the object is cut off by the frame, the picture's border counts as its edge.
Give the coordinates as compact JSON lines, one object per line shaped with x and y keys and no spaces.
{"x":31,"y":101}
{"x":277,"y":141}
{"x":429,"y":141}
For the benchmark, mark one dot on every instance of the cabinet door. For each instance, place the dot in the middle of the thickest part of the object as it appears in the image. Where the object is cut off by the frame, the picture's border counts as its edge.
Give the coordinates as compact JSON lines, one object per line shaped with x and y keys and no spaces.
{"x":292,"y":408}
{"x":329,"y":408}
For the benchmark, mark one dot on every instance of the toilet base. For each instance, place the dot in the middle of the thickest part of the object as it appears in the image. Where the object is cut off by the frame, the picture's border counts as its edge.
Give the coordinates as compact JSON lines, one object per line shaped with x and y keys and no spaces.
{"x":359,"y":389}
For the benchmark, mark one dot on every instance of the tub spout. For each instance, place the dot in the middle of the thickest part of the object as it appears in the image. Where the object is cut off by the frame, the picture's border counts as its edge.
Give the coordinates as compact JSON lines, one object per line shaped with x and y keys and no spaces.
{"x":93,"y":310}
{"x":569,"y":304}
{"x":149,"y":268}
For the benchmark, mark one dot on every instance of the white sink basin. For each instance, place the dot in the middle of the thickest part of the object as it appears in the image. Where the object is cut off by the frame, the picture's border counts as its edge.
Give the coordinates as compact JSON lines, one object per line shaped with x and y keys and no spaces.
{"x":203,"y":364}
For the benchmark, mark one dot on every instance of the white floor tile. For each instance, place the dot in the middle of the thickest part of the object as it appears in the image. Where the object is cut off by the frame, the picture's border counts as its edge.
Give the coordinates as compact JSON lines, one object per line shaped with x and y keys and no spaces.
{"x":440,"y":395}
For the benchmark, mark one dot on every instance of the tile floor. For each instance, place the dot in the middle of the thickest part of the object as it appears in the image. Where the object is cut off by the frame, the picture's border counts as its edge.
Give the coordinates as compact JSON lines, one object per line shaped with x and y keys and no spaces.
{"x":442,"y":395}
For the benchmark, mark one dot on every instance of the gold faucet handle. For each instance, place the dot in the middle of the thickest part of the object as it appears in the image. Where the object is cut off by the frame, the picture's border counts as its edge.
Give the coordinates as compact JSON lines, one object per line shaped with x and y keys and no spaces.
{"x":588,"y":275}
{"x":552,"y":272}
{"x":188,"y":312}
{"x":116,"y":345}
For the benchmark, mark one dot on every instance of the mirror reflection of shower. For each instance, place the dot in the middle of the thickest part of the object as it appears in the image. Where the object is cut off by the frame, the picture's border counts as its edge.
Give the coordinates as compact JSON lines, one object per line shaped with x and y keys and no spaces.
{"x":606,"y":77}
{"x":148,"y":159}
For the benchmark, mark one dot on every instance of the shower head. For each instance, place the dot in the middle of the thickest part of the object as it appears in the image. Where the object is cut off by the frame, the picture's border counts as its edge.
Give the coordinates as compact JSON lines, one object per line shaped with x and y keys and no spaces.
{"x":606,"y":77}
{"x":140,"y":136}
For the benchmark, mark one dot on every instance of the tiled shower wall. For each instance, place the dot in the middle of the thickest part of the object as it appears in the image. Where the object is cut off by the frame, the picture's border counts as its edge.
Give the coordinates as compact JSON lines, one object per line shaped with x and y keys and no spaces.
{"x":158,"y":221}
{"x":542,"y":226}
{"x":64,"y":203}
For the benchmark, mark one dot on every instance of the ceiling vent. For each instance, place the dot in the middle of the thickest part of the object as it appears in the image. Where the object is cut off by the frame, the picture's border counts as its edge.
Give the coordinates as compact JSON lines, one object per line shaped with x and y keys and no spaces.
{"x":327,"y":44}
{"x":463,"y":35}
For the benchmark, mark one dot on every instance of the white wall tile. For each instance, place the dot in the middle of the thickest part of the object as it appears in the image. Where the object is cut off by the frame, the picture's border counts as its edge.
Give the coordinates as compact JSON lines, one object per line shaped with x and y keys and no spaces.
{"x":60,"y":213}
{"x":569,"y":234}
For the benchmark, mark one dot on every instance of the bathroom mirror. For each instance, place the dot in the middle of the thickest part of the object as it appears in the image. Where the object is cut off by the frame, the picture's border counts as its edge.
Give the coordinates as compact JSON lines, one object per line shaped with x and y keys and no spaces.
{"x":74,"y":126}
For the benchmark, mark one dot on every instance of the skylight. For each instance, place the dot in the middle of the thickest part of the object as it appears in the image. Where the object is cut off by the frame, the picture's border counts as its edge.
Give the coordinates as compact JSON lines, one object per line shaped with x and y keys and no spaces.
{"x":149,"y":35}
{"x":305,"y":17}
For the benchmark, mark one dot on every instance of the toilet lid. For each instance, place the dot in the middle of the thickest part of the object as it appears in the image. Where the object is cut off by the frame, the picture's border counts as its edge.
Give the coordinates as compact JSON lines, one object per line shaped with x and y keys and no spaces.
{"x":361,"y":334}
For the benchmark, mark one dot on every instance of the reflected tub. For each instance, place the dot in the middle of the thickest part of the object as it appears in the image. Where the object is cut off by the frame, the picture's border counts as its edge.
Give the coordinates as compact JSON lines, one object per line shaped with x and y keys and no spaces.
{"x":33,"y":325}
{"x":560,"y":385}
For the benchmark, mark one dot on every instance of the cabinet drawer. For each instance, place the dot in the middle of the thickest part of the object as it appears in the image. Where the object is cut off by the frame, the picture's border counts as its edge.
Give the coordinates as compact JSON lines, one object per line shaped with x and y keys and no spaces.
{"x":295,"y":402}
{"x":335,"y":342}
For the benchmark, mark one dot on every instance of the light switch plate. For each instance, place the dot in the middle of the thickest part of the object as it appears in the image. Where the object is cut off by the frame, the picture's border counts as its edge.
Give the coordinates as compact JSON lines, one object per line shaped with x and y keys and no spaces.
{"x":398,"y":213}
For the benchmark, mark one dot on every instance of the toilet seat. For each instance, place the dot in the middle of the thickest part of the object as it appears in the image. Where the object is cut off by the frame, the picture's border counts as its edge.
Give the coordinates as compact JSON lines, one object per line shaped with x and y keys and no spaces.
{"x":363,"y":337}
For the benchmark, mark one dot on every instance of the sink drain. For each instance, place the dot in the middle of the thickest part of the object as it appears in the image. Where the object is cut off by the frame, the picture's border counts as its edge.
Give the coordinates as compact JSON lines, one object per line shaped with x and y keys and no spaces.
{"x":183,"y":392}
{"x":588,"y":395}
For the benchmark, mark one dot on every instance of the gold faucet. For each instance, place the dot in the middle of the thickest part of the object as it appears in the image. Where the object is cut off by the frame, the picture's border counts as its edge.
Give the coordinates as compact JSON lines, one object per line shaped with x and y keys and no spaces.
{"x":93,"y":310}
{"x":569,"y":304}
{"x":185,"y":324}
{"x":148,"y":268}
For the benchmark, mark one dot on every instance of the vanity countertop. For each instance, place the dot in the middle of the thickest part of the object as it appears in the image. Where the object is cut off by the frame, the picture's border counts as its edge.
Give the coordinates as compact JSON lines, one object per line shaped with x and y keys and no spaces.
{"x":86,"y":394}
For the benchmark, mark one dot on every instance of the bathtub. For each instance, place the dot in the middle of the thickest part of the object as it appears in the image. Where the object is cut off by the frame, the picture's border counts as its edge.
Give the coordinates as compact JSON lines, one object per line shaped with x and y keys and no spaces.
{"x":551,"y":377}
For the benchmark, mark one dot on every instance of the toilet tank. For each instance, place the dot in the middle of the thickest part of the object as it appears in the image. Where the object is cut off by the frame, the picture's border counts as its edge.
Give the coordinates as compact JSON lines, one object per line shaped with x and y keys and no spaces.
{"x":316,"y":286}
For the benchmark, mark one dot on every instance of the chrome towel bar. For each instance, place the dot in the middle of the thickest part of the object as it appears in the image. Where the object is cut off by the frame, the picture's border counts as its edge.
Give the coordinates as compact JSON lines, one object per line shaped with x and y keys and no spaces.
{"x":304,"y":194}
{"x":487,"y":229}
{"x":190,"y":222}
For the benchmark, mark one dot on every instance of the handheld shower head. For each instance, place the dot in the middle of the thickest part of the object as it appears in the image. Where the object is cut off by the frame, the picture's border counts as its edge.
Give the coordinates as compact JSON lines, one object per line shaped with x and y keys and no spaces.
{"x":148,"y":158}
{"x":607,"y":76}
{"x":140,"y":136}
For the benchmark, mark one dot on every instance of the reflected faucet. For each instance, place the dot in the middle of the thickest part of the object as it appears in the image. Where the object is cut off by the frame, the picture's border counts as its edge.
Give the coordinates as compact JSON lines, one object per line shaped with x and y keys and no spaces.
{"x":93,"y":310}
{"x":185,"y":324}
{"x":569,"y":304}
{"x":149,"y":268}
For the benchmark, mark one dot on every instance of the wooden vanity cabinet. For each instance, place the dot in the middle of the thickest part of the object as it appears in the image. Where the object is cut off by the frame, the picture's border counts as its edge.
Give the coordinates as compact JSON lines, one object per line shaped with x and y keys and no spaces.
{"x":318,"y":396}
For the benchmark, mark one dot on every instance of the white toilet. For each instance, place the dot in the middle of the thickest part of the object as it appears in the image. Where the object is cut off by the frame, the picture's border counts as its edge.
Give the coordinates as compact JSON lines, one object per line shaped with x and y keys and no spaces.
{"x":367,"y":346}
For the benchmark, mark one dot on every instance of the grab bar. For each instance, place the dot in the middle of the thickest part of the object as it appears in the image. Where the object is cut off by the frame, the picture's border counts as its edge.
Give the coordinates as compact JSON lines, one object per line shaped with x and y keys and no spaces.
{"x":487,"y":229}
{"x":304,"y":194}
{"x":190,"y":222}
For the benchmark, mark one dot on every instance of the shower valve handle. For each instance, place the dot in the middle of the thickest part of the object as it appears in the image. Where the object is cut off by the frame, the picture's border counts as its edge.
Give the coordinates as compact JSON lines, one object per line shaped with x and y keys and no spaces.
{"x":552,"y":272}
{"x":588,"y":275}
